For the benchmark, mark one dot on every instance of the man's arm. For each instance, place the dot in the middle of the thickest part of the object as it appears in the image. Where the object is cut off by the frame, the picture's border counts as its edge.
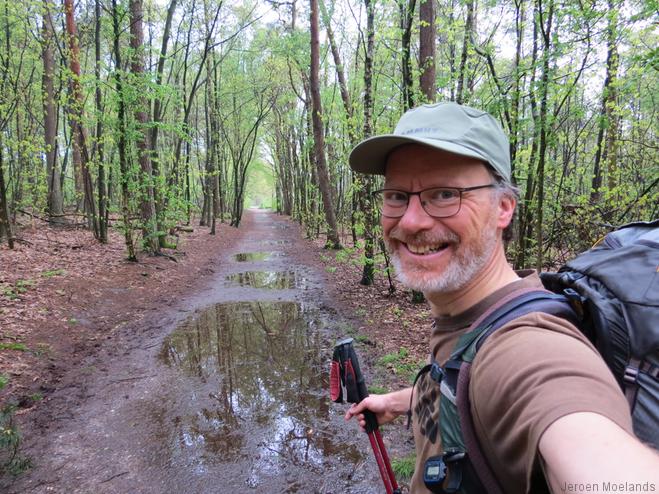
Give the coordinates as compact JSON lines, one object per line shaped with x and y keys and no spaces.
{"x":588,"y":448}
{"x":386,"y":407}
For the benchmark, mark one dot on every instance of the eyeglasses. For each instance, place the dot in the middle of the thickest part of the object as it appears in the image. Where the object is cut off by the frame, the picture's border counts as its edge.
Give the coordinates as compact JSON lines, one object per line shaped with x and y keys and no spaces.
{"x":438,"y":202}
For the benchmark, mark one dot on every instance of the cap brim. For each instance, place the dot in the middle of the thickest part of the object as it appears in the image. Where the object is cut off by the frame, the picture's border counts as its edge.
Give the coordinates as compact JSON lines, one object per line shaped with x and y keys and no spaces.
{"x":370,"y":156}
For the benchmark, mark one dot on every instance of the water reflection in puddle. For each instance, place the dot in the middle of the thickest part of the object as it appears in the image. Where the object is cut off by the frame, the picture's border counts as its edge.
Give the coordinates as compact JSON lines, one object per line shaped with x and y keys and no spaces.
{"x":278,"y":280}
{"x":262,"y":402}
{"x":256,"y":256}
{"x":275,"y":242}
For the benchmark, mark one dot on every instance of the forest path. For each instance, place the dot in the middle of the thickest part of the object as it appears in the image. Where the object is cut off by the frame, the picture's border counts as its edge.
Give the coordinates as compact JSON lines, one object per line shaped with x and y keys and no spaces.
{"x":224,"y":391}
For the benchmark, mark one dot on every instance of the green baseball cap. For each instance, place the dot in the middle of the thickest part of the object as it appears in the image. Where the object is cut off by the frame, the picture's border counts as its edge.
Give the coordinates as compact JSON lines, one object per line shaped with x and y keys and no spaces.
{"x":447,"y":126}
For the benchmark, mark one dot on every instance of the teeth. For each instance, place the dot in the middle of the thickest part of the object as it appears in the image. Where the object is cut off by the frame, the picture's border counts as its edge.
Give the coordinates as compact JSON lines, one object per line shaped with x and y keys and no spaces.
{"x":425,"y":249}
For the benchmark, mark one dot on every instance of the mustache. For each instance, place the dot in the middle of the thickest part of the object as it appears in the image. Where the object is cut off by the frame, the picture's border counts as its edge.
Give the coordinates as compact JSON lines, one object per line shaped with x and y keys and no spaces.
{"x":424,"y":237}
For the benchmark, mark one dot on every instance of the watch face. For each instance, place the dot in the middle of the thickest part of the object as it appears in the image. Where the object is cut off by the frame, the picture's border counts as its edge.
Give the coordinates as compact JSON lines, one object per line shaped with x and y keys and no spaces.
{"x":432,"y":471}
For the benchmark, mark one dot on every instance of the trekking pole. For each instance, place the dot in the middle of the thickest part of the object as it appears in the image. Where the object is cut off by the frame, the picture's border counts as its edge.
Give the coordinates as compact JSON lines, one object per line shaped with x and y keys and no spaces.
{"x":347,"y":385}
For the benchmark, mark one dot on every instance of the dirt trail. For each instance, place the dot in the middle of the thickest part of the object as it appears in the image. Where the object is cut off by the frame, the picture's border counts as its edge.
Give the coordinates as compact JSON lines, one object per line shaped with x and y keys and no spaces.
{"x":200,"y":409}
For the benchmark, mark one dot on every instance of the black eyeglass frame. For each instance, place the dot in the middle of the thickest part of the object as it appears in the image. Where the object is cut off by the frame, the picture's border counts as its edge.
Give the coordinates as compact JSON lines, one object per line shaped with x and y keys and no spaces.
{"x":460,"y":190}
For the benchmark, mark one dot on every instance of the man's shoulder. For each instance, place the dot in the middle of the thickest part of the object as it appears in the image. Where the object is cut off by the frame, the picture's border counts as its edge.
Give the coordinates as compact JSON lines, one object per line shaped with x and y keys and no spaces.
{"x":533,"y":371}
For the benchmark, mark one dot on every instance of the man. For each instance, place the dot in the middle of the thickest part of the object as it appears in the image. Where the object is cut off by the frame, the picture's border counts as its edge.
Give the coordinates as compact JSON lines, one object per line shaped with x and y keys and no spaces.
{"x":544,"y":403}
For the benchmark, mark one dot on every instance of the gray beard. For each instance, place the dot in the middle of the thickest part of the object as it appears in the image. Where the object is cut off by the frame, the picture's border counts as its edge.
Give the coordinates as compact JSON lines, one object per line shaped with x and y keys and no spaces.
{"x":464,"y":266}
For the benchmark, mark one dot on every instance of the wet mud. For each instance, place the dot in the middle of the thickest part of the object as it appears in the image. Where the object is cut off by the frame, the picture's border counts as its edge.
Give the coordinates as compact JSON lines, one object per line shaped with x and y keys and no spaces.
{"x":224,"y":392}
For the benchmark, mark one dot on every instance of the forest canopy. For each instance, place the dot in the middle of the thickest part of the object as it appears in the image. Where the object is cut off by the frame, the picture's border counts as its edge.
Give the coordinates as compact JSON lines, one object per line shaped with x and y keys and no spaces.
{"x":139,"y":116}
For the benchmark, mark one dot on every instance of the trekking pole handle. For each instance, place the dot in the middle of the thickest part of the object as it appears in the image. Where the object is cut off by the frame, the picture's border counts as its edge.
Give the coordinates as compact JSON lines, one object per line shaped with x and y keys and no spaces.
{"x":347,"y":353}
{"x":345,"y":371}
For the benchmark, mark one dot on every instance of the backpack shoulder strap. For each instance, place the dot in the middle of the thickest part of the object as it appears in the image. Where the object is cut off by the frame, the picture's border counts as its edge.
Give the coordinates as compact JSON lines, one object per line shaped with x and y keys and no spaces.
{"x":517,"y":304}
{"x":458,"y":373}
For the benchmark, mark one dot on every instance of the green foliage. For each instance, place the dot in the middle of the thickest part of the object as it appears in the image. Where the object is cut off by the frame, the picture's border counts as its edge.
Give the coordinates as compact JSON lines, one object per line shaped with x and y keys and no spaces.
{"x":259,"y":67}
{"x":11,"y":461}
{"x":362,"y":338}
{"x":401,"y":363}
{"x":23,"y":285}
{"x":14,"y":292}
{"x":36,"y":397}
{"x":404,"y":467}
{"x":392,"y":358}
{"x":10,"y":293}
{"x":260,"y":188}
{"x":344,"y":254}
{"x":13,"y":346}
{"x":375,"y":389}
{"x":53,"y":272}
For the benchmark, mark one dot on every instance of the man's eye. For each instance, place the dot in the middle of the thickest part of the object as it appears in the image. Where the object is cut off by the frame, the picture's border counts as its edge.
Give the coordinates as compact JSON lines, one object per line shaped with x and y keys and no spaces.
{"x":395,"y":196}
{"x":443,"y":194}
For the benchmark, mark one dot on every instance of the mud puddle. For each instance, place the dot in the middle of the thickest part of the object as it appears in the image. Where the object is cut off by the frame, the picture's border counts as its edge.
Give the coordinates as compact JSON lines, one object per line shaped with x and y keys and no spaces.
{"x":275,"y":242}
{"x":264,"y":365}
{"x":256,"y":256}
{"x":275,"y":280}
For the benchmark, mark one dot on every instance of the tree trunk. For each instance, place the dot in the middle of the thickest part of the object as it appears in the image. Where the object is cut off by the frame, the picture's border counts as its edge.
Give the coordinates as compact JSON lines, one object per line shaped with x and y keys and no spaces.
{"x":520,"y":13}
{"x":318,"y":134}
{"x":55,"y":200}
{"x":348,"y":107}
{"x":5,"y":225}
{"x":365,"y":192}
{"x":76,"y":108}
{"x":406,"y":11}
{"x":213,"y":124}
{"x":427,"y":35}
{"x":462,"y":72}
{"x":544,"y":129}
{"x":525,"y":212}
{"x":606,"y":147}
{"x":100,"y":158}
{"x":340,"y":75}
{"x":207,"y":210}
{"x":157,"y":118}
{"x":147,"y":202}
{"x":187,"y":195}
{"x":121,"y":144}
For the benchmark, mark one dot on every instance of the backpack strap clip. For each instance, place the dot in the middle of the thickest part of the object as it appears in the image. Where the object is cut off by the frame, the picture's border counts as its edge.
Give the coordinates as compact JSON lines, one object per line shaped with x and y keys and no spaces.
{"x":631,"y":373}
{"x":630,"y":380}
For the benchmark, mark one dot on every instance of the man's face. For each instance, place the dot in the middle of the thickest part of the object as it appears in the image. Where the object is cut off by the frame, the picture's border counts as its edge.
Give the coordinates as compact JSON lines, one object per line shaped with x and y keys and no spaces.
{"x":437,"y":255}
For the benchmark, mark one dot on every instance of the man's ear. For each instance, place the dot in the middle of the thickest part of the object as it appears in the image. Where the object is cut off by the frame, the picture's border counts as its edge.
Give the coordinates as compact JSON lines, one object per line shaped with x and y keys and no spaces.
{"x":507,"y":206}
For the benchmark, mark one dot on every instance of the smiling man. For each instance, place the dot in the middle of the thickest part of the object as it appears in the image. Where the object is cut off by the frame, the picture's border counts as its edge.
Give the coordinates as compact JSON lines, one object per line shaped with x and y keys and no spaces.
{"x":546,"y":410}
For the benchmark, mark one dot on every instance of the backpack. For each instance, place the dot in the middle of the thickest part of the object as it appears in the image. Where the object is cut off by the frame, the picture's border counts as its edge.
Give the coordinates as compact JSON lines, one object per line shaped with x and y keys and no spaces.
{"x":611,"y":293}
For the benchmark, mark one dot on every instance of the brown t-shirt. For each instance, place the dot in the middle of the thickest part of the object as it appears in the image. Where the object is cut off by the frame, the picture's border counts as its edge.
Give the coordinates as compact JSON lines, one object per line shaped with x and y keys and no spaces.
{"x":531,"y":372}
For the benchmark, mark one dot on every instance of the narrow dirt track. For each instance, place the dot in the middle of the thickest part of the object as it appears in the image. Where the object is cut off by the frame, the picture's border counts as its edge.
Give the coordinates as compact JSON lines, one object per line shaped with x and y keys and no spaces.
{"x":154,"y":414}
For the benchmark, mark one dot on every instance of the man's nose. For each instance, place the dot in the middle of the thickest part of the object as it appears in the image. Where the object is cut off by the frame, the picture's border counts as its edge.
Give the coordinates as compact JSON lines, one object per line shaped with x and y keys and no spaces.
{"x":415,"y":217}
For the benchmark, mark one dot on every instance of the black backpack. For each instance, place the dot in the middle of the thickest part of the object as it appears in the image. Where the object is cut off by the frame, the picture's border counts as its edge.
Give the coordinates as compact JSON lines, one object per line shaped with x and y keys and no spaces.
{"x":610,"y":292}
